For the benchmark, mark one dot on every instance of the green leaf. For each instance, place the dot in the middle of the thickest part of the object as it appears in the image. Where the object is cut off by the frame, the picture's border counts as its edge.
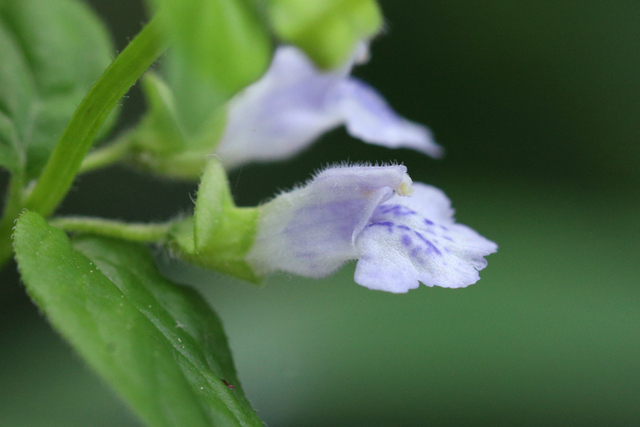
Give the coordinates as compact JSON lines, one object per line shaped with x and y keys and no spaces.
{"x":157,"y":343}
{"x":224,"y":41}
{"x":328,"y":30}
{"x":52,"y":52}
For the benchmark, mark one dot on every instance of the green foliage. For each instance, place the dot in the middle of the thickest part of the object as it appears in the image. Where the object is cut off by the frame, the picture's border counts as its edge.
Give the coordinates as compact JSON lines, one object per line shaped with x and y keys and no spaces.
{"x":220,"y":234}
{"x":52,"y":51}
{"x":222,"y":40}
{"x":79,"y":134}
{"x":328,"y":30}
{"x":157,"y":343}
{"x":164,"y":143}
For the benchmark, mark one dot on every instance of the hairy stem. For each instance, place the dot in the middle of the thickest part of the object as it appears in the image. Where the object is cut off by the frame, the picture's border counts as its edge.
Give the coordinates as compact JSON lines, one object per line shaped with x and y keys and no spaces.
{"x":136,"y":232}
{"x":13,"y":206}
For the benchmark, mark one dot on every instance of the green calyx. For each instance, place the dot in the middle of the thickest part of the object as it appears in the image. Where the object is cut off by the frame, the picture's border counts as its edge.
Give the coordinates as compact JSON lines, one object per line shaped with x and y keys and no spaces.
{"x":327,"y":30}
{"x":220,"y":234}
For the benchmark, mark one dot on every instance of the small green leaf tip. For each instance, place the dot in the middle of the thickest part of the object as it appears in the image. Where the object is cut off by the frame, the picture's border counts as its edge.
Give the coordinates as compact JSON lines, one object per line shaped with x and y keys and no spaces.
{"x":220,"y":234}
{"x":327,"y":30}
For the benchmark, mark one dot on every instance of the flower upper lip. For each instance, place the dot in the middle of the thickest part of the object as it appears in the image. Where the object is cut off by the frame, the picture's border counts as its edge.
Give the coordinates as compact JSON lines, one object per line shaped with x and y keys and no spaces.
{"x":294,"y":103}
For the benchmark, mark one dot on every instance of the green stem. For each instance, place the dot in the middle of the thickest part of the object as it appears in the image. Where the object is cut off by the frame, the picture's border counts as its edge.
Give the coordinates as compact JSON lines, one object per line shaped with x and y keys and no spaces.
{"x":106,"y":155}
{"x":65,"y":161}
{"x":136,"y":232}
{"x":13,"y":206}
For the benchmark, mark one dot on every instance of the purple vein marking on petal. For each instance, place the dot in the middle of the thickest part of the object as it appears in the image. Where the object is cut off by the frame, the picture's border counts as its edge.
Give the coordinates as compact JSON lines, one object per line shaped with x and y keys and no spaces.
{"x":444,"y":228}
{"x":431,"y":247}
{"x":404,"y":227}
{"x":415,"y":254}
{"x":428,"y":222}
{"x":406,"y":240}
{"x":387,"y":224}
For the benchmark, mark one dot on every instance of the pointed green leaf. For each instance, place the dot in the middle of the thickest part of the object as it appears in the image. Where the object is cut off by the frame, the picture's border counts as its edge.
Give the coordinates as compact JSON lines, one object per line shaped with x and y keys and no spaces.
{"x":220,"y":234}
{"x":51,"y":53}
{"x":158,"y":344}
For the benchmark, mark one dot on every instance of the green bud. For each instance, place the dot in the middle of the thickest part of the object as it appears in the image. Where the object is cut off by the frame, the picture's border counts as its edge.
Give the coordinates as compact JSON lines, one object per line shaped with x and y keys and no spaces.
{"x":223,"y":40}
{"x":327,"y":30}
{"x":163,"y":144}
{"x":220,"y":234}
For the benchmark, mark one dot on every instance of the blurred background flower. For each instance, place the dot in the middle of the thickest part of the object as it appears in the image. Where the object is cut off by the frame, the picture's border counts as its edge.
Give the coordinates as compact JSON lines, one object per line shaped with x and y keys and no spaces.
{"x":537,"y":105}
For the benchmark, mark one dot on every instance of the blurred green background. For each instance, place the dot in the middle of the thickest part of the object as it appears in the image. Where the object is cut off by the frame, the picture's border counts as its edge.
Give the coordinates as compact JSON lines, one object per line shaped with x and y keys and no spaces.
{"x":538,"y":106}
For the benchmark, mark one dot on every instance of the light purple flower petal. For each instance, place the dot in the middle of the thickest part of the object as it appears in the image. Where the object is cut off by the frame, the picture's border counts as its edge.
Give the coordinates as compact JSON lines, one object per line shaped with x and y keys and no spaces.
{"x":294,"y":103}
{"x":415,"y":239}
{"x":367,"y":116}
{"x":311,"y":231}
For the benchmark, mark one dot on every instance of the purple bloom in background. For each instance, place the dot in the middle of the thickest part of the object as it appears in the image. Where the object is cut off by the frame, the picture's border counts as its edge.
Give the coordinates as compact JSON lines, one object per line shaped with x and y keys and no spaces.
{"x":367,"y":213}
{"x":294,"y":103}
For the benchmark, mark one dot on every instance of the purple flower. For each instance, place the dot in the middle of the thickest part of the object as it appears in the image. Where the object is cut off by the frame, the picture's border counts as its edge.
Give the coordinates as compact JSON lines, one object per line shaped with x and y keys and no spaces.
{"x":369,"y":214}
{"x":294,"y":103}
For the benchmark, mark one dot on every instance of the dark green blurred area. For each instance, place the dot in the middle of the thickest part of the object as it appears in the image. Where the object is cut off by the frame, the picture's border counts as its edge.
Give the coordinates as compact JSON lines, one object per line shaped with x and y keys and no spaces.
{"x":538,"y":106}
